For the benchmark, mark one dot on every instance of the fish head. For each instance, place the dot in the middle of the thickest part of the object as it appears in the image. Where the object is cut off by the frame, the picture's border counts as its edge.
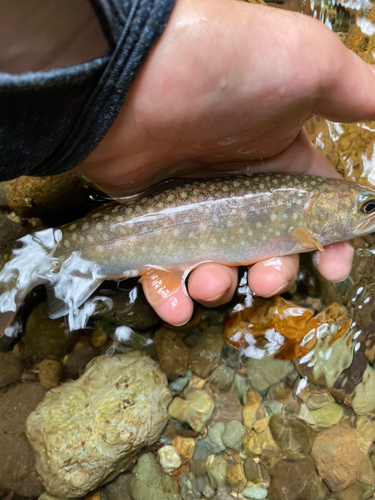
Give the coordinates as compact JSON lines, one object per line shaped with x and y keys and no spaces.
{"x":340,"y":211}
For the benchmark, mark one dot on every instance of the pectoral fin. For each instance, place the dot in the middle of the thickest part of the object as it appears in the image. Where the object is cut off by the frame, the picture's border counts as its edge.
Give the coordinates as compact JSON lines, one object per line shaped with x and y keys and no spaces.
{"x":159,"y":284}
{"x":304,"y":239}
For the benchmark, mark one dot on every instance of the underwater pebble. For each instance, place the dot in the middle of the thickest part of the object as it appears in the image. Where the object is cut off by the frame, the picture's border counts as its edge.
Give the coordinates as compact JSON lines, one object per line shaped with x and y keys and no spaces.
{"x":129,"y":393}
{"x":296,"y":480}
{"x":233,"y":434}
{"x":293,"y":436}
{"x":256,"y":443}
{"x":328,"y":415}
{"x":241,"y":387}
{"x":205,"y":447}
{"x":184,"y":446}
{"x":337,"y":456}
{"x":188,"y":485}
{"x":49,"y":373}
{"x":196,"y":409}
{"x":267,"y":371}
{"x":173,"y":355}
{"x":169,"y":458}
{"x":179,"y":384}
{"x":215,"y":433}
{"x":204,"y":356}
{"x":216,"y":467}
{"x":118,"y":489}
{"x":10,"y":368}
{"x":363,"y":402}
{"x":255,"y":493}
{"x":222,"y":377}
{"x":149,"y":482}
{"x":251,"y":469}
{"x":236,"y":477}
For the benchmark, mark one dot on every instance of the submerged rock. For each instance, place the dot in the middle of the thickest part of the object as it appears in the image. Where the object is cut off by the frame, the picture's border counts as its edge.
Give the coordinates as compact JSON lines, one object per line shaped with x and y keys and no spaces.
{"x":17,"y":470}
{"x":10,"y":371}
{"x":196,"y":409}
{"x":294,"y":437}
{"x":337,"y":456}
{"x":173,"y":354}
{"x":88,"y":431}
{"x":267,"y":371}
{"x":296,"y":480}
{"x":149,"y":482}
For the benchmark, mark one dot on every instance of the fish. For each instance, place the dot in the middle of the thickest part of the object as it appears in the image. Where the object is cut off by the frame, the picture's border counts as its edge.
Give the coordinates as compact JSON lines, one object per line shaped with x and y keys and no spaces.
{"x":162,"y":237}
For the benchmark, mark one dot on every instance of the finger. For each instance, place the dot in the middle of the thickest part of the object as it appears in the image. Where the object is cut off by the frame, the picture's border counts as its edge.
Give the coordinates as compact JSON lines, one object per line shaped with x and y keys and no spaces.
{"x":176,"y":309}
{"x":273,"y":276}
{"x":213,"y":284}
{"x":335,"y":262}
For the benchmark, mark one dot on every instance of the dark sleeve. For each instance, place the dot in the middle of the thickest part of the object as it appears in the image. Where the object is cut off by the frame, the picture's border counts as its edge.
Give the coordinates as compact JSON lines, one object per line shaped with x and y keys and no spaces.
{"x":51,"y":121}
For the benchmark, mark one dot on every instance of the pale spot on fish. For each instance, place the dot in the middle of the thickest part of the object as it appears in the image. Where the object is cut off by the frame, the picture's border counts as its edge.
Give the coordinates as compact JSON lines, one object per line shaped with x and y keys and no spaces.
{"x":99,"y":226}
{"x":225,"y":188}
{"x":229,"y":223}
{"x":105,"y":236}
{"x":106,"y":217}
{"x":90,"y":238}
{"x":119,"y":218}
{"x":170,"y":197}
{"x":95,"y":216}
{"x":138,"y":208}
{"x":258,"y":225}
{"x":74,"y":236}
{"x":249,"y":233}
{"x":85,"y":226}
{"x":277,"y":233}
{"x":183,"y":195}
{"x":273,"y":217}
{"x":67,"y":244}
{"x":223,"y":240}
{"x":241,"y":231}
{"x":261,"y":186}
{"x":99,"y":249}
{"x":129,"y":211}
{"x":72,"y":227}
{"x":295,"y":216}
{"x":116,"y":209}
{"x":81,"y":239}
{"x":285,"y":215}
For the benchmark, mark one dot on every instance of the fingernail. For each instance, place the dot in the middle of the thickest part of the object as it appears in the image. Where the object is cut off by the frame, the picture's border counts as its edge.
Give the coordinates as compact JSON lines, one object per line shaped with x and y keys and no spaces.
{"x":283,"y":288}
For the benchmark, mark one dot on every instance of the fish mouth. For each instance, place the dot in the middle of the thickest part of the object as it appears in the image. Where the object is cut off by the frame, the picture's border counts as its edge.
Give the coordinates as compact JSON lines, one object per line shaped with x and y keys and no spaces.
{"x":365,"y":227}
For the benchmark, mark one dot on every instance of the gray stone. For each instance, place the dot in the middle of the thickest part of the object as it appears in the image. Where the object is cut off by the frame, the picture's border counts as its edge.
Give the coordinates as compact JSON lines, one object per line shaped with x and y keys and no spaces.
{"x":222,"y":377}
{"x":188,"y":484}
{"x":267,"y":371}
{"x":118,"y":489}
{"x":233,"y":434}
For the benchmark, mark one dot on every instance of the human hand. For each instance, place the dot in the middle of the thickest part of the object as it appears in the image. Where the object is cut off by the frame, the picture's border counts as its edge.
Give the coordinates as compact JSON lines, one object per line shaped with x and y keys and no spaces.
{"x":227,"y":90}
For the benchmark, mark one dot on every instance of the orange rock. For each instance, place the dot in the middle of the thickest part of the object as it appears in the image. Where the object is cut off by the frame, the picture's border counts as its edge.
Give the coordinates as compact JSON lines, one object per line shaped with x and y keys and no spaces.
{"x":296,"y":324}
{"x":184,"y":446}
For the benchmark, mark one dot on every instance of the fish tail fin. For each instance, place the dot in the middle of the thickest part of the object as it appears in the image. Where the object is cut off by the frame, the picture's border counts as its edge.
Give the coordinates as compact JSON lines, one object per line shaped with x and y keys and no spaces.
{"x":29,"y":267}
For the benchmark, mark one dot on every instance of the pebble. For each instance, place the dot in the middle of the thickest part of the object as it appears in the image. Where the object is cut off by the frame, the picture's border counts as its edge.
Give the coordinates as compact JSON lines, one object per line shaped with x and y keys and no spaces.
{"x":118,"y":406}
{"x":215,"y":433}
{"x":236,"y":477}
{"x":184,"y":446}
{"x":293,"y":436}
{"x":196,"y":409}
{"x":296,"y":480}
{"x":267,"y":371}
{"x":337,"y":456}
{"x":233,"y":434}
{"x":173,"y":354}
{"x":118,"y":489}
{"x":169,"y":458}
{"x":255,"y":493}
{"x":49,"y":373}
{"x":204,"y":356}
{"x":179,"y":384}
{"x":217,"y":467}
{"x":256,"y":443}
{"x":328,"y":415}
{"x":149,"y":482}
{"x":363,"y":402}
{"x":189,"y":488}
{"x":222,"y":377}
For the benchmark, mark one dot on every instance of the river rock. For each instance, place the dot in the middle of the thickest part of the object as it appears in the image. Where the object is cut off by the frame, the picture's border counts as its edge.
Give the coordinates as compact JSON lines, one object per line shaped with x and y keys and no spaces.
{"x":233,"y":434}
{"x":296,"y":480}
{"x":88,"y":431}
{"x":118,"y":489}
{"x":49,"y":372}
{"x":10,"y":369}
{"x":236,"y":477}
{"x":363,"y":401}
{"x":204,"y":356}
{"x":196,"y":409}
{"x":188,"y":485}
{"x":222,"y":377}
{"x":173,"y":355}
{"x":267,"y":371}
{"x":17,"y":470}
{"x":294,"y":437}
{"x":149,"y":482}
{"x":169,"y":458}
{"x":337,"y":456}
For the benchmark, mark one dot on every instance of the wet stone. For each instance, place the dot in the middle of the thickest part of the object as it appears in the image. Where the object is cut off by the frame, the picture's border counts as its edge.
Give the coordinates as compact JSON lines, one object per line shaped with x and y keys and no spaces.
{"x":49,"y":372}
{"x":222,"y":377}
{"x":173,"y":355}
{"x":204,"y":448}
{"x":328,"y":415}
{"x":45,"y":337}
{"x":215,"y":433}
{"x":169,"y":458}
{"x":196,"y":409}
{"x":337,"y":456}
{"x":294,"y":437}
{"x":296,"y":480}
{"x":233,"y":434}
{"x":188,"y":486}
{"x":363,"y":402}
{"x":267,"y":371}
{"x":236,"y":477}
{"x":217,"y":466}
{"x":227,"y":405}
{"x":251,"y":469}
{"x":255,"y":493}
{"x":124,"y":388}
{"x":204,"y":356}
{"x":76,"y":361}
{"x":184,"y":446}
{"x":18,"y":472}
{"x":10,"y":369}
{"x":118,"y":489}
{"x":149,"y":482}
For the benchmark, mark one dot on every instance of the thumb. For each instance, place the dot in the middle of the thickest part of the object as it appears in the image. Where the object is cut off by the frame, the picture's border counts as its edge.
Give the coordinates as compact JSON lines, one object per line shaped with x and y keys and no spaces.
{"x":347,"y":86}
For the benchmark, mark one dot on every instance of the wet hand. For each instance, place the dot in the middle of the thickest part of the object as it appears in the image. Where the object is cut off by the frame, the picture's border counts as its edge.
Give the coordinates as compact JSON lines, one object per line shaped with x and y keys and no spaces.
{"x":227,"y":90}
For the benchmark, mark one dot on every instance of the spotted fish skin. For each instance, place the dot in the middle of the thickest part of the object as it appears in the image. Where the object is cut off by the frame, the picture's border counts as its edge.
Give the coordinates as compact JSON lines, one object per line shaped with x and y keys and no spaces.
{"x":237,"y":220}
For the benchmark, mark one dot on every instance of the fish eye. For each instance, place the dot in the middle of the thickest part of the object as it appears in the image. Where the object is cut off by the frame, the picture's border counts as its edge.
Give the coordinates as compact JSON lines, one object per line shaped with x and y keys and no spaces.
{"x":367,"y":206}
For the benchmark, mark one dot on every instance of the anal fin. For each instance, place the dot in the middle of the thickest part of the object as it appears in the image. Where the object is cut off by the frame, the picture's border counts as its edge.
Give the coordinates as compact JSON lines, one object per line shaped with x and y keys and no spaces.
{"x":305,"y":240}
